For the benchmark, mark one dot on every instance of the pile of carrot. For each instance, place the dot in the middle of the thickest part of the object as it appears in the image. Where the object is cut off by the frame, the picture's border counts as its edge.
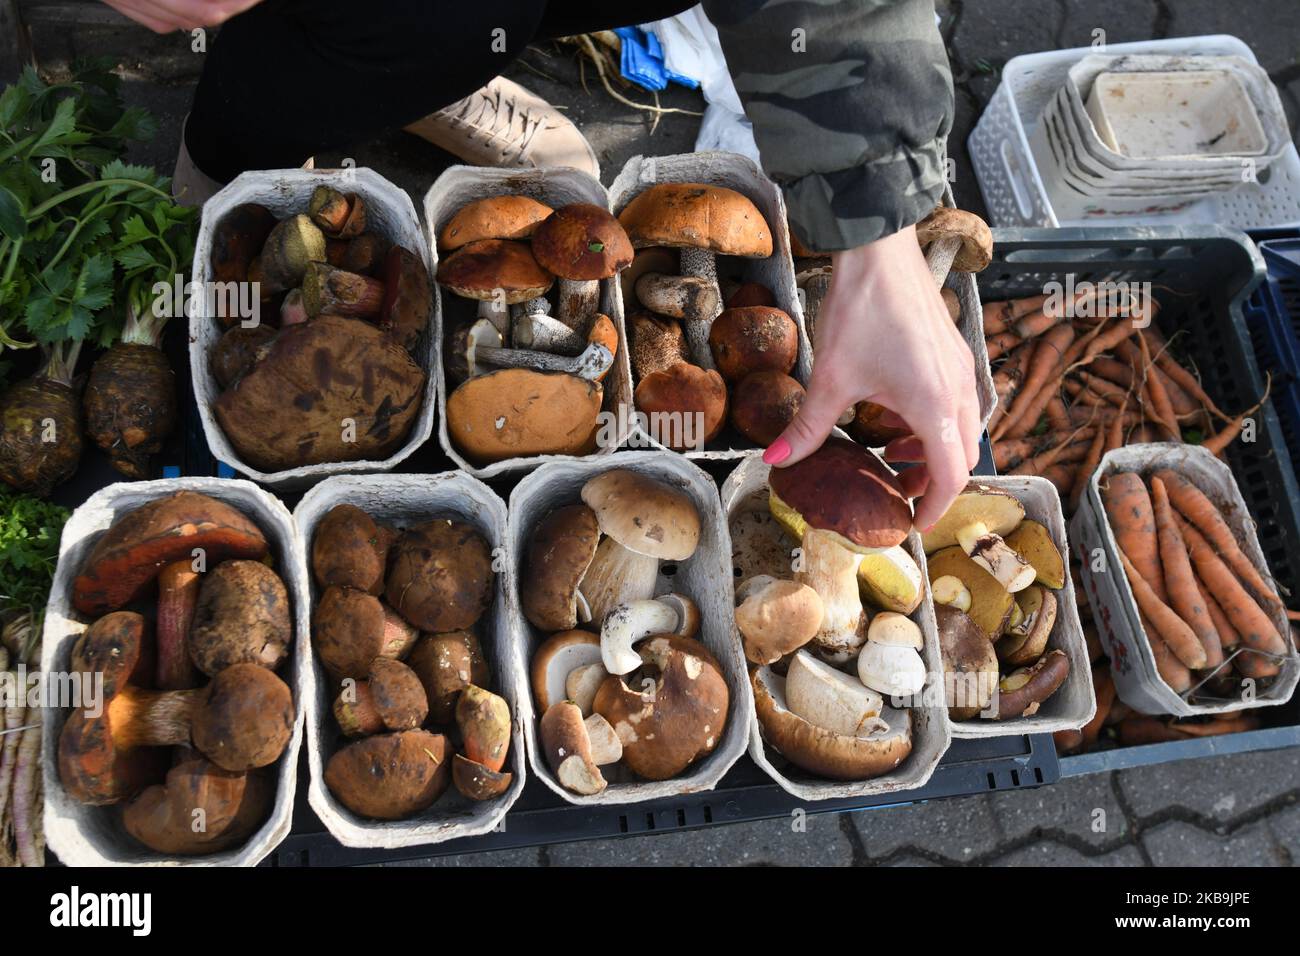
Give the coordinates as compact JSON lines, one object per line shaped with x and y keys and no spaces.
{"x":1071,"y":389}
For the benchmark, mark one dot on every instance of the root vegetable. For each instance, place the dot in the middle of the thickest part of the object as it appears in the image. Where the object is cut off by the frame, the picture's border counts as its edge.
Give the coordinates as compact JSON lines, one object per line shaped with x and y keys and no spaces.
{"x":25,"y":808}
{"x":1180,"y":581}
{"x":1037,"y":389}
{"x":130,"y":400}
{"x":13,"y":722}
{"x":1169,"y":627}
{"x":40,"y":433}
{"x":1086,"y":468}
{"x":1128,"y":505}
{"x":1171,"y":670}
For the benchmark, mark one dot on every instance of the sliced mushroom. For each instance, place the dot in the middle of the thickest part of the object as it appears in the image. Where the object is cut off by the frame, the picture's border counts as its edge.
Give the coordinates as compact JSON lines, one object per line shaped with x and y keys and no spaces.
{"x":626,"y":624}
{"x":1022,"y":692}
{"x":558,"y":657}
{"x":948,"y":589}
{"x":567,"y":746}
{"x":976,"y":522}
{"x":969,"y":664}
{"x":582,"y":683}
{"x":1026,"y":641}
{"x":830,"y":698}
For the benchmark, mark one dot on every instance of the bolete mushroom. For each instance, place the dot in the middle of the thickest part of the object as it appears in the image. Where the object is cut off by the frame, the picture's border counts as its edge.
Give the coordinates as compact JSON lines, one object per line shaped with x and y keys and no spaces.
{"x":828,"y":697}
{"x":567,"y":745}
{"x":776,"y":617}
{"x":518,"y":412}
{"x":948,"y":589}
{"x":460,"y":350}
{"x":677,"y":713}
{"x":350,"y":549}
{"x":476,"y":782}
{"x":890,"y":661}
{"x":492,"y":217}
{"x":483,"y":719}
{"x":593,"y":362}
{"x":764,"y":403}
{"x":408,"y":297}
{"x":560,"y":551}
{"x":390,"y":698}
{"x":969,"y":663}
{"x":326,"y":289}
{"x":990,"y":605}
{"x":350,"y":628}
{"x":242,"y":615}
{"x":627,"y":624}
{"x":703,"y":222}
{"x":1026,"y":641}
{"x":338,"y":214}
{"x":753,"y":339}
{"x":445,"y":665}
{"x":657,"y":343}
{"x":976,"y":521}
{"x":555,"y":659}
{"x":850,"y":504}
{"x":1022,"y":692}
{"x":644,"y":521}
{"x":199,"y":809}
{"x":390,"y":776}
{"x":581,"y":243}
{"x":237,"y":239}
{"x":1033,"y":542}
{"x":685,"y":405}
{"x":290,"y":248}
{"x":954,"y":240}
{"x":498,"y":273}
{"x":440,"y":576}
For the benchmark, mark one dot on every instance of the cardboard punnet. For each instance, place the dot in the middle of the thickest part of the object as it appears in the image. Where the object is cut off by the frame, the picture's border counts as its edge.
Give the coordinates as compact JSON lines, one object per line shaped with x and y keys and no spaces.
{"x":94,"y":836}
{"x":403,"y":501}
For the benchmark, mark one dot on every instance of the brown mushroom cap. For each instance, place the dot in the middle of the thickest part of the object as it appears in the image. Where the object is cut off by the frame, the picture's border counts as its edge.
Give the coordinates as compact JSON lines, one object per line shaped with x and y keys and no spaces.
{"x":764,"y":403}
{"x":390,"y":776}
{"x":557,"y":657}
{"x":390,"y":698}
{"x":643,"y":514}
{"x":567,"y":746}
{"x":582,"y":241}
{"x":976,"y":250}
{"x":751,"y":339}
{"x":141,"y":543}
{"x":1023,"y":691}
{"x":559,"y":553}
{"x":867,"y":428}
{"x":441,"y":576}
{"x":350,"y":628}
{"x":999,"y":510}
{"x":776,"y":617}
{"x":680,"y":720}
{"x":491,"y":267}
{"x":349,"y":549}
{"x":969,"y":663}
{"x":476,"y":782}
{"x":445,"y":664}
{"x":492,"y":217}
{"x":237,"y":351}
{"x":695,"y":215}
{"x":242,"y":615}
{"x":684,"y":389}
{"x":408,"y":297}
{"x":844,"y":488}
{"x":824,"y":752}
{"x":518,"y":412}
{"x":233,"y":805}
{"x":244,"y":718}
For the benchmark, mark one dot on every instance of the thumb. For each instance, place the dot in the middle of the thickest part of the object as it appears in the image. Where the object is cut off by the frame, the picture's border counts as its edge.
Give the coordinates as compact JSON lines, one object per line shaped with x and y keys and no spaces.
{"x":809,"y":429}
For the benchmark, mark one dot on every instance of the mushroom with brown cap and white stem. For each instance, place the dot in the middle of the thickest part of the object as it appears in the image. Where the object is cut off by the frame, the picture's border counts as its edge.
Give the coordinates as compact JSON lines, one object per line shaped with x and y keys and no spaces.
{"x":954,"y":240}
{"x":560,"y":550}
{"x":703,"y":222}
{"x":492,"y":217}
{"x":827,"y":697}
{"x":555,"y":659}
{"x":350,"y":628}
{"x":626,"y":624}
{"x":643,"y":521}
{"x":498,"y":273}
{"x":1026,"y":640}
{"x":390,"y":776}
{"x":776,"y":617}
{"x":976,"y":522}
{"x":390,"y":698}
{"x":567,"y":745}
{"x":850,"y":505}
{"x":890,"y":661}
{"x":199,"y":809}
{"x":581,"y":243}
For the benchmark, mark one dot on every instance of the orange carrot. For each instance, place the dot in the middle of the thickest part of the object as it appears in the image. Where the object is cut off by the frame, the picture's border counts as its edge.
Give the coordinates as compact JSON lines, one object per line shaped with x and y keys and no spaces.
{"x":1037,"y":388}
{"x":1172,"y":629}
{"x":1228,"y":636}
{"x":1169,"y":667}
{"x":1000,"y":344}
{"x":1188,"y":383}
{"x":1164,"y":411}
{"x":1131,"y":519}
{"x":1180,"y":582}
{"x":1058,"y":417}
{"x":1086,"y":469}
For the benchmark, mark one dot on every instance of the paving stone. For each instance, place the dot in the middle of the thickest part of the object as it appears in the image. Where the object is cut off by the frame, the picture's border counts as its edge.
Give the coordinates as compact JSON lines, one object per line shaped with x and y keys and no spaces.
{"x":1217,"y":788}
{"x":1181,"y":844}
{"x":1284,"y":825}
{"x":959,"y":829}
{"x":1121,"y":21}
{"x":767,"y":842}
{"x":1081,"y":808}
{"x":997,"y":30}
{"x":1270,"y":28}
{"x":911,"y":861}
{"x":527,"y":856}
{"x":1051,"y":853}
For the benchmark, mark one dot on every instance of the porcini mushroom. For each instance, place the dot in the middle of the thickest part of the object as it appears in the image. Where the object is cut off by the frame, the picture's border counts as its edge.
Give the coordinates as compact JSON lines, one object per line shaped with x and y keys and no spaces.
{"x":477,"y":782}
{"x":753,"y":339}
{"x":445,"y":665}
{"x":969,"y":663}
{"x":990,"y":604}
{"x":483,"y":719}
{"x":626,"y":624}
{"x":497,"y":273}
{"x":390,"y":776}
{"x":592,"y":363}
{"x":555,"y":659}
{"x":390,"y":698}
{"x":460,"y":351}
{"x":199,"y":809}
{"x":350,"y":628}
{"x":1026,"y":640}
{"x":830,"y":698}
{"x":581,"y":243}
{"x":1022,"y":692}
{"x":538,"y":332}
{"x":560,"y":551}
{"x":408,"y":296}
{"x":703,"y":222}
{"x":764,"y":403}
{"x":644,"y":521}
{"x":976,"y":521}
{"x":440,"y":575}
{"x":686,"y":406}
{"x":567,"y":746}
{"x":341,"y":215}
{"x":492,"y":217}
{"x":954,"y":240}
{"x":518,"y":412}
{"x":242,"y":615}
{"x":890,"y":661}
{"x":776,"y":617}
{"x":327,"y":289}
{"x":949,"y":589}
{"x":289,"y":250}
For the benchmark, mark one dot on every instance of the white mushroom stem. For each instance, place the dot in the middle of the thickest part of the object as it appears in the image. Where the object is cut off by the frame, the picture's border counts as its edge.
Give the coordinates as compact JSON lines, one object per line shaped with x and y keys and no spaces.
{"x":814,"y":294}
{"x":496,"y":311}
{"x":990,"y":552}
{"x":939,"y":258}
{"x":579,"y":301}
{"x":606,"y":748}
{"x":542,"y":333}
{"x":832,"y":571}
{"x":594,"y":361}
{"x":617,"y":576}
{"x":628,"y":623}
{"x":581,"y":684}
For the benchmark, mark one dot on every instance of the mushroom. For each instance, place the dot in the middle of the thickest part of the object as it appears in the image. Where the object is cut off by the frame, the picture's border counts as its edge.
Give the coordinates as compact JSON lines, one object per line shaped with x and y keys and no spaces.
{"x":830,"y":698}
{"x":592,"y":363}
{"x":445,"y":664}
{"x":776,"y":617}
{"x":991,"y":605}
{"x":954,"y":240}
{"x":685,"y":405}
{"x":976,"y":521}
{"x":498,"y":273}
{"x":237,"y":239}
{"x":326,"y":289}
{"x":138,"y":545}
{"x":748,"y":294}
{"x":949,"y":589}
{"x":867,"y":428}
{"x":290,"y":248}
{"x":462,"y":345}
{"x":539,"y":332}
{"x":1026,"y":640}
{"x":340,"y":215}
{"x":644,"y":521}
{"x":681,"y":297}
{"x":850,"y":504}
{"x":178,"y":596}
{"x":440,"y":575}
{"x":970,"y":666}
{"x":350,"y":550}
{"x":581,"y":243}
{"x":390,"y":698}
{"x":890,"y":661}
{"x":390,"y":776}
{"x":492,"y":217}
{"x":1023,"y":691}
{"x":241,"y":720}
{"x":649,"y":259}
{"x":476,"y":782}
{"x":370,"y":254}
{"x":813,"y":290}
{"x":891,"y":580}
{"x":408,"y":296}
{"x":582,"y":684}
{"x":559,"y":656}
{"x":239,"y":349}
{"x":350,"y":628}
{"x":676,"y":715}
{"x":753,"y":339}
{"x":560,"y":551}
{"x":517,"y":412}
{"x":483,"y":719}
{"x":881,"y":747}
{"x":606,"y":748}
{"x":626,"y":624}
{"x":241,"y":616}
{"x":199,"y":809}
{"x":763,"y":403}
{"x":1033,"y":542}
{"x":657,"y":343}
{"x":702,"y":221}
{"x":567,"y":745}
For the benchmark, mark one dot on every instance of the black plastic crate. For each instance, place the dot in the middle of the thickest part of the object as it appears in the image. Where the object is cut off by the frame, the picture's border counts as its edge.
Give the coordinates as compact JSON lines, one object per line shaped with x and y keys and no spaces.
{"x":1202,"y":277}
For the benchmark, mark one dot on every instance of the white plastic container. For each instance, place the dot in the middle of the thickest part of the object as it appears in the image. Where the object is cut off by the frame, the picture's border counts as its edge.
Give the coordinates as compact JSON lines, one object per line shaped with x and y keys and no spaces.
{"x":705,"y":577}
{"x":746,"y":490}
{"x":1119,"y":625}
{"x":403,"y":501}
{"x":555,"y":186}
{"x":285,"y":192}
{"x":94,"y":836}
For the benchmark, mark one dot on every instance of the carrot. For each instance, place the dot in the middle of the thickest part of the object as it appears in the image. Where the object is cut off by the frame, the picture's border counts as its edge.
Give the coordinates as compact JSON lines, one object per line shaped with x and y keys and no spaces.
{"x":1188,"y":383}
{"x":1102,"y":339}
{"x":1061,"y":453}
{"x":1251,"y":663}
{"x":1036,"y":390}
{"x":1218,"y":443}
{"x":1105,"y":416}
{"x":1196,"y":507}
{"x":1058,"y":417}
{"x":1121,"y":373}
{"x":996,"y":315}
{"x":1249,"y":620}
{"x":1170,"y":628}
{"x":1088,"y":466}
{"x":26,"y":770}
{"x":1168,"y":666}
{"x":1000,"y":344}
{"x":1228,"y":636}
{"x":1007,"y":381}
{"x":1180,"y":582}
{"x":1061,"y":476}
{"x":1129,"y":508}
{"x":1103,"y":387}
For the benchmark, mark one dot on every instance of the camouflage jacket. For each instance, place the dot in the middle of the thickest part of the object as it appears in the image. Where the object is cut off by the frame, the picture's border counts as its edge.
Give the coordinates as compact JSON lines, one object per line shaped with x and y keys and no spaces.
{"x":851,"y":102}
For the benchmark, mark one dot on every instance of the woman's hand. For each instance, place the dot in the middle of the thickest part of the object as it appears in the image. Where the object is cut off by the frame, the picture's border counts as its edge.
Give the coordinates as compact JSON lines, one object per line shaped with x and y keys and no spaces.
{"x":163,"y":16}
{"x":885,"y":336}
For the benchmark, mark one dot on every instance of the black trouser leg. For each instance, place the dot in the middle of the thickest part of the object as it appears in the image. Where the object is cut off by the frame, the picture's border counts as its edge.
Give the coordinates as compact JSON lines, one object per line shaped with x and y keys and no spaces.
{"x":292,"y":77}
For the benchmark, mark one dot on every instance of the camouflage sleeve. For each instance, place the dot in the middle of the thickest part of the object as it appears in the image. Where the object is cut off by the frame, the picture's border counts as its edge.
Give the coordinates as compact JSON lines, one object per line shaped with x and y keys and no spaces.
{"x":851,"y":102}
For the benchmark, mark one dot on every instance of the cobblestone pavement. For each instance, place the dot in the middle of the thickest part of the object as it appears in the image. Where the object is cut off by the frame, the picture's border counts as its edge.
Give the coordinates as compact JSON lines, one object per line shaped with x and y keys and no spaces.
{"x":1232,"y":810}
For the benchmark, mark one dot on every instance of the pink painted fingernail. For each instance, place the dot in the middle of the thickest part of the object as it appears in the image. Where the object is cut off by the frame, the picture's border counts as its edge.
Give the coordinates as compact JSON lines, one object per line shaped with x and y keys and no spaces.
{"x":777,"y":452}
